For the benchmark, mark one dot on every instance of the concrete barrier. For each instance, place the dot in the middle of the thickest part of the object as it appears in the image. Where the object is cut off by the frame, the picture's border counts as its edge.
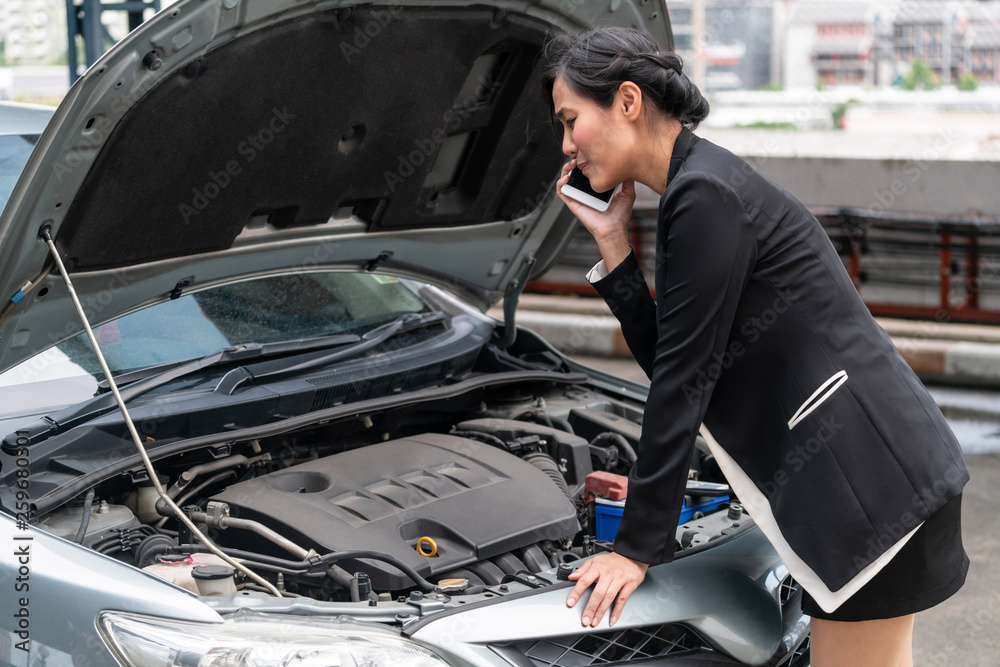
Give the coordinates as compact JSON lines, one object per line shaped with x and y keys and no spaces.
{"x":961,"y":354}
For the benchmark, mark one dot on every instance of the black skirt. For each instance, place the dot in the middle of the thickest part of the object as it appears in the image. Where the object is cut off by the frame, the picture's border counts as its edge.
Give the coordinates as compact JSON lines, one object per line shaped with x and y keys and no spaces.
{"x":929,"y":569}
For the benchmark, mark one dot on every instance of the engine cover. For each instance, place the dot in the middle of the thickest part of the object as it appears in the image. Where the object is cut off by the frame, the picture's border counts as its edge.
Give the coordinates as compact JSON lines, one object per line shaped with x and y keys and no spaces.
{"x":474,"y":500}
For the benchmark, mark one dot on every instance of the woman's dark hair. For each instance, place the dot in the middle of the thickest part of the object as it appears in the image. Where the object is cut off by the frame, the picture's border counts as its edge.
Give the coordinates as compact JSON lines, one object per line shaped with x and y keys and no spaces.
{"x":596,"y":62}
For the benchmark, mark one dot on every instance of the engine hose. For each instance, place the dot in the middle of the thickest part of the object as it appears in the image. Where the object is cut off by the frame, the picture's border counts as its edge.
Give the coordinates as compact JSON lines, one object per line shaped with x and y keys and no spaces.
{"x":85,"y":519}
{"x":191,"y":493}
{"x":353,"y":588}
{"x":559,"y":422}
{"x":189,"y":475}
{"x":480,"y":436}
{"x":299,"y":567}
{"x":345,"y":580}
{"x":548,"y":465}
{"x":619,"y":441}
{"x":421,"y":583}
{"x":248,"y":559}
{"x":548,"y":420}
{"x":123,"y":541}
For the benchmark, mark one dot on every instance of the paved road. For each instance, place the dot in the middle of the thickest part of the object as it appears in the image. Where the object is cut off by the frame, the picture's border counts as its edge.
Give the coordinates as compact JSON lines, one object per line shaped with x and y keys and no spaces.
{"x":965,"y":629}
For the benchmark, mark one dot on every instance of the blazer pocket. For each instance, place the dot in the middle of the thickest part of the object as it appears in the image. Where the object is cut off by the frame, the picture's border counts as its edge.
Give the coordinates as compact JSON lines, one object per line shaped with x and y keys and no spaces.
{"x":824,"y":392}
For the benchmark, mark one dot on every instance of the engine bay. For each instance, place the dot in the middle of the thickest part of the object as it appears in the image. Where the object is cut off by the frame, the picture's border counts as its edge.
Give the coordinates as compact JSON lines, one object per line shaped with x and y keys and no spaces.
{"x":455,"y":495}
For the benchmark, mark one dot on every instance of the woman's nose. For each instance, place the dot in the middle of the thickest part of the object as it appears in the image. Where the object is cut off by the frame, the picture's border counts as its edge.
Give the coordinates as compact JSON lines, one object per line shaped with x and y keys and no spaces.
{"x":568,"y":147}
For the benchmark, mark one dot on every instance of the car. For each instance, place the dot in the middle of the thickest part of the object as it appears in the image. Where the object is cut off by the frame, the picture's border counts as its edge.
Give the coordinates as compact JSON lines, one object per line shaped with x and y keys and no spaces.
{"x":20,"y":126}
{"x":303,"y":442}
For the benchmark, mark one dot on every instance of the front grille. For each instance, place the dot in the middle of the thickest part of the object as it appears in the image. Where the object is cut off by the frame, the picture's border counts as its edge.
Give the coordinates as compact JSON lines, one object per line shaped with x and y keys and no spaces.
{"x":787,"y":590}
{"x":609,"y":648}
{"x":800,"y":656}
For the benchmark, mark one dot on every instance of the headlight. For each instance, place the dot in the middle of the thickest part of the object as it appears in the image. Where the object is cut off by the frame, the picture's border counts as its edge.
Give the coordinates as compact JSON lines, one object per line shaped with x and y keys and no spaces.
{"x":260,"y":640}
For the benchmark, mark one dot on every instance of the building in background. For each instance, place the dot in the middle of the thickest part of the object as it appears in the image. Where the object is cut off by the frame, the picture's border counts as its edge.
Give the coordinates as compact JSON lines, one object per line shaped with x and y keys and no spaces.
{"x":737,"y":43}
{"x":945,"y":36}
{"x":832,"y":43}
{"x":749,"y":44}
{"x":33,"y":31}
{"x":876,"y":43}
{"x":983,"y":52}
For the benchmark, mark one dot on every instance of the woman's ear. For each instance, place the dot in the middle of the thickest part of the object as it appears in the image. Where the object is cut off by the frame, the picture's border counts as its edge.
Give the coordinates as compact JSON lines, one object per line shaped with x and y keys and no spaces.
{"x":629,"y":100}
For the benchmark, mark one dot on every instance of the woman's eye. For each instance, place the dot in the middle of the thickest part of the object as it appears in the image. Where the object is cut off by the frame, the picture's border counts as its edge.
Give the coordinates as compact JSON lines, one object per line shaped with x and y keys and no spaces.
{"x":569,"y":123}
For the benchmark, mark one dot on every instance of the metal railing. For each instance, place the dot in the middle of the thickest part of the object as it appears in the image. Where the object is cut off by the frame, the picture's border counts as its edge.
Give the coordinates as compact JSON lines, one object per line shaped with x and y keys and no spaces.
{"x":903,"y":266}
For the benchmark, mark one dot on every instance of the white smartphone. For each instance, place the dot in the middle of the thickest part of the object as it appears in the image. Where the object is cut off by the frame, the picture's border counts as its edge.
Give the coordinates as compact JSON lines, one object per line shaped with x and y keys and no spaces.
{"x":578,"y":187}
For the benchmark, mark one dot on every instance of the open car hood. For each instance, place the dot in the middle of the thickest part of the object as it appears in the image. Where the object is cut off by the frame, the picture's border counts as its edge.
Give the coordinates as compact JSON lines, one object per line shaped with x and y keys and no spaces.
{"x":225,"y":139}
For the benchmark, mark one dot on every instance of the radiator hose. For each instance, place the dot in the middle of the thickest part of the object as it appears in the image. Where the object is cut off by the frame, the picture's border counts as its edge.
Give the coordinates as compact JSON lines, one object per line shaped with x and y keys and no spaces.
{"x":548,"y":465}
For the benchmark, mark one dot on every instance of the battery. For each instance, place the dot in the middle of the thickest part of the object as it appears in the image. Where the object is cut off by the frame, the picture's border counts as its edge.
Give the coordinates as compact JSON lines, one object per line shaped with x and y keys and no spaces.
{"x":608,"y":514}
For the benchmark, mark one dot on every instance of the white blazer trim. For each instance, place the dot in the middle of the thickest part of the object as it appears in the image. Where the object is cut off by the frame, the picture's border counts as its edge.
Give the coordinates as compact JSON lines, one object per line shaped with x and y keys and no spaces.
{"x":760,"y":511}
{"x":829,"y":386}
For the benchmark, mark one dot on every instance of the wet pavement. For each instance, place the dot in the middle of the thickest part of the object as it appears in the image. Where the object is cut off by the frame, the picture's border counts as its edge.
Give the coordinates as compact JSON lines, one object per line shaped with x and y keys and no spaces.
{"x":974,"y":415}
{"x":965,"y":629}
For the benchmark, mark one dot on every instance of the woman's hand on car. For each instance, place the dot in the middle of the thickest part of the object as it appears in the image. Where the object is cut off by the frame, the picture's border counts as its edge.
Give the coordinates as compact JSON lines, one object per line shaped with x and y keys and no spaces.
{"x":609,"y":228}
{"x":613,"y":576}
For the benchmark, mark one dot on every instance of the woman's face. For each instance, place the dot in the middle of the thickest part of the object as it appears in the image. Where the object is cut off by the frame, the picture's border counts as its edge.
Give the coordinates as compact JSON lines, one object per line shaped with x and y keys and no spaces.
{"x":592,"y":135}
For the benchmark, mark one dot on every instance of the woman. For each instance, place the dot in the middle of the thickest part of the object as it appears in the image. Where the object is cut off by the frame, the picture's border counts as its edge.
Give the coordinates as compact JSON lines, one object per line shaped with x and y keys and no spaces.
{"x":758,"y":340}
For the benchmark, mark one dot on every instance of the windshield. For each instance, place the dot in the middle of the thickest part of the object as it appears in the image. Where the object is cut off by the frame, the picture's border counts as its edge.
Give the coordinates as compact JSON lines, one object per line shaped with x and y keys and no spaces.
{"x":264,"y":310}
{"x":14,"y":152}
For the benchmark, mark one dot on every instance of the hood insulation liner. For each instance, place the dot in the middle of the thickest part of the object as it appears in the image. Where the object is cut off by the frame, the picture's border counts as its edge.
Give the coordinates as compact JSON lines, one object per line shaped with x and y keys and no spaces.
{"x":404,"y":117}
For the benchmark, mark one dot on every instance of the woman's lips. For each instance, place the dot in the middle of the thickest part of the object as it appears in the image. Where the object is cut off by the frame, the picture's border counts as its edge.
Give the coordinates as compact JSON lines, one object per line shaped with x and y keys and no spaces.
{"x":583,"y":167}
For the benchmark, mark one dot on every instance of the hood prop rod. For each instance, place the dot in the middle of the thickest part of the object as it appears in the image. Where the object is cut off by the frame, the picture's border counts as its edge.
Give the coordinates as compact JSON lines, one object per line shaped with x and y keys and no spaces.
{"x":46,"y":233}
{"x":510,"y":297}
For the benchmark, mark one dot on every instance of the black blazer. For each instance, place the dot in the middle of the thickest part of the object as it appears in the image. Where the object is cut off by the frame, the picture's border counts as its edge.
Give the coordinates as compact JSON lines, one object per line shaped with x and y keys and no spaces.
{"x":759,"y":340}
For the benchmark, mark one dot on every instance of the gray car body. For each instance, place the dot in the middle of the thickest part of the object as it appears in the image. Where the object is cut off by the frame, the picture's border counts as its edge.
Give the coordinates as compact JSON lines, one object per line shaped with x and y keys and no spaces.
{"x":729,"y":591}
{"x":18,"y":118}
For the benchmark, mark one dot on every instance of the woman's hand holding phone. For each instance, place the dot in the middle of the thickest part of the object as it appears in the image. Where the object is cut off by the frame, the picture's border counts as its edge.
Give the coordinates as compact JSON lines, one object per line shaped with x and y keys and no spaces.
{"x":609,"y":228}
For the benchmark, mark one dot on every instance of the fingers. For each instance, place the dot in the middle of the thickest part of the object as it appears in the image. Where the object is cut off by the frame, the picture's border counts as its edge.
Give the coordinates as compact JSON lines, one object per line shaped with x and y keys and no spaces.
{"x":624,"y":201}
{"x":628,"y":191}
{"x":614,"y":577}
{"x":575,"y":207}
{"x":623,"y":596}
{"x":584,"y":576}
{"x":600,"y":601}
{"x":564,"y":177}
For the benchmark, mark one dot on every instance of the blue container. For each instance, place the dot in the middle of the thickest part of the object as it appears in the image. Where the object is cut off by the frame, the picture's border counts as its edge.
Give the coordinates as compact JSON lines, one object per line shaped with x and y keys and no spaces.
{"x":608,"y":514}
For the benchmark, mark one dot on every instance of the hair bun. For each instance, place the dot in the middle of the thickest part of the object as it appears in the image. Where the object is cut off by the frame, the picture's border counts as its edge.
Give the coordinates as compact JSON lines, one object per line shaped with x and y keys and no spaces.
{"x":596,"y":62}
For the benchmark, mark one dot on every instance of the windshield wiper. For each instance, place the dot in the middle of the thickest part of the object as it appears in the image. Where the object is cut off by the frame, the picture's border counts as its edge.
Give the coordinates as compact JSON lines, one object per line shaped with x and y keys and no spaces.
{"x":139,"y":384}
{"x":351,"y":344}
{"x":240,"y":376}
{"x":227,"y":354}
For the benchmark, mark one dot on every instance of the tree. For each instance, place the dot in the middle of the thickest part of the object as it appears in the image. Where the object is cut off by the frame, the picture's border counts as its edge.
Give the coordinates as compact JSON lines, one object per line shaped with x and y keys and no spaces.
{"x":967,"y":81}
{"x":920,"y":77}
